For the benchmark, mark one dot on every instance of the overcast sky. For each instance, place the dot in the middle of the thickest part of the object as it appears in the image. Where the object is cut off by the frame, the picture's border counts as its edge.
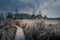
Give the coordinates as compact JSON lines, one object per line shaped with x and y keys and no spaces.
{"x":51,"y":8}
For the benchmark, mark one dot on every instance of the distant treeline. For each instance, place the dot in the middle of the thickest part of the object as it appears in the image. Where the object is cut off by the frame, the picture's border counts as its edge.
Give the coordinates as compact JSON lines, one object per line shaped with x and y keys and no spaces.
{"x":24,"y":16}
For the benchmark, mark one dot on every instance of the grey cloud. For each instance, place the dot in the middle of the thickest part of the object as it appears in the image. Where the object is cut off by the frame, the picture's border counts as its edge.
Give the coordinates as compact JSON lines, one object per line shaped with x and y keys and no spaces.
{"x":48,"y":7}
{"x":15,"y":4}
{"x":52,"y":9}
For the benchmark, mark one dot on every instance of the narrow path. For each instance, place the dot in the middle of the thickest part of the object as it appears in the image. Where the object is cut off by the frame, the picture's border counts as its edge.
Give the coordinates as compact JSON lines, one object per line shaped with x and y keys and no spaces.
{"x":19,"y":34}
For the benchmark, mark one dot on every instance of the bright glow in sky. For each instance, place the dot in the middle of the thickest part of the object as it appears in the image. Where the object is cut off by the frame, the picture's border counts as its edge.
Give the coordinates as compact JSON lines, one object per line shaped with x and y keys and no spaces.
{"x":51,"y":8}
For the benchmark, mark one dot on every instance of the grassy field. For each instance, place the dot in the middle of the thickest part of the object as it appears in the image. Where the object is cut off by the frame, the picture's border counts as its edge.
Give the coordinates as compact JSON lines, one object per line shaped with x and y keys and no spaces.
{"x":35,"y":29}
{"x":40,"y":29}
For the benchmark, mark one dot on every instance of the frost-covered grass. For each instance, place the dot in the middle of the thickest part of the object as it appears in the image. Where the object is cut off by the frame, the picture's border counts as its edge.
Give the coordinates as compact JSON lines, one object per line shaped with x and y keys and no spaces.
{"x":39,"y":30}
{"x":7,"y":31}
